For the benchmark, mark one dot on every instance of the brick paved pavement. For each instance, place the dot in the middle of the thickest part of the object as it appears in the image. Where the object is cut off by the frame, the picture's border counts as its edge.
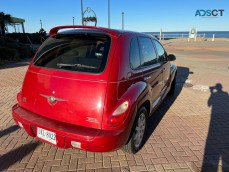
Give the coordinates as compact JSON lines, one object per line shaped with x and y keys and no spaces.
{"x":188,"y":129}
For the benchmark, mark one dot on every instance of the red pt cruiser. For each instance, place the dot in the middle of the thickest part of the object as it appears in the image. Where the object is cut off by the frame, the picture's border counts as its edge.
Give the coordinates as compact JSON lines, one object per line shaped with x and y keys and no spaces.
{"x":93,"y":88}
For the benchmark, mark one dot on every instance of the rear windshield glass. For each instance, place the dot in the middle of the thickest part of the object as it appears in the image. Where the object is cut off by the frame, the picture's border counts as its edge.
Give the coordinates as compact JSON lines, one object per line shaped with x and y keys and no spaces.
{"x":78,"y":52}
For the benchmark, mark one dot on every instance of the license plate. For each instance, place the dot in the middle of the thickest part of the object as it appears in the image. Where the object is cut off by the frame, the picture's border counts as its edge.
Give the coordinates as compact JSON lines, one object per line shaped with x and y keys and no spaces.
{"x":46,"y":135}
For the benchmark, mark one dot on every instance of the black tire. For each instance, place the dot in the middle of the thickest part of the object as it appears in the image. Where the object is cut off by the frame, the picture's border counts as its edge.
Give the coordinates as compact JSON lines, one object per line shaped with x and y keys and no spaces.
{"x":173,"y":87}
{"x":134,"y":145}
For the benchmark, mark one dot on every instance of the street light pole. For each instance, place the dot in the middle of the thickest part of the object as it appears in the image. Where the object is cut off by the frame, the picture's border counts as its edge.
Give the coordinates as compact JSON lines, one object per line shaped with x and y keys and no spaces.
{"x":73,"y":18}
{"x":122,"y":20}
{"x":82,"y":10}
{"x":41,"y":23}
{"x":108,"y":13}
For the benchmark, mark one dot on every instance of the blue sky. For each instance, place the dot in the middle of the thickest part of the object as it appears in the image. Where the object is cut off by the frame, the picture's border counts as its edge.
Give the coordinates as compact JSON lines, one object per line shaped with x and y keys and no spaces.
{"x":140,"y":15}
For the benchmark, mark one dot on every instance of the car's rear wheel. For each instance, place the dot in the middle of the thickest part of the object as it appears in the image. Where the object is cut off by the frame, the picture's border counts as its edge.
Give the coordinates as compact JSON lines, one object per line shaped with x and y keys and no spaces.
{"x":138,"y":134}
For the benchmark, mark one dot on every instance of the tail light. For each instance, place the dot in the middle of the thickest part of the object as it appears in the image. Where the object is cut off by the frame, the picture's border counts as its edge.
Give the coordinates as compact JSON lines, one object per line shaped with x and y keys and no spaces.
{"x":19,"y":96}
{"x":119,"y":114}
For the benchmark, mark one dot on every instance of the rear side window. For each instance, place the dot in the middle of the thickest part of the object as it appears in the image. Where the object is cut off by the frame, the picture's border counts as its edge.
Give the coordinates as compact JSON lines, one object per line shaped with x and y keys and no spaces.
{"x":160,"y":51}
{"x":148,"y":52}
{"x":135,"y":61}
{"x":78,"y":52}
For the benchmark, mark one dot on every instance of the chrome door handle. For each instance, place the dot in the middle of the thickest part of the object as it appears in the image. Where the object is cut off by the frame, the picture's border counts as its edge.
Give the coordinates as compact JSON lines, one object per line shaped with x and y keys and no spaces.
{"x":147,"y":78}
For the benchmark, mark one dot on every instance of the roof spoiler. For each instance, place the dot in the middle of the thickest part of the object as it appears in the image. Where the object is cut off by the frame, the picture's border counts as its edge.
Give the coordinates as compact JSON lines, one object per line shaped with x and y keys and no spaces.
{"x":55,"y":30}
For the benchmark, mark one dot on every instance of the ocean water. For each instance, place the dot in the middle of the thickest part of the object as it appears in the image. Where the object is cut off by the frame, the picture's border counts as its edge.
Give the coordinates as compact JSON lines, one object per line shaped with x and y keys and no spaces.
{"x":206,"y":34}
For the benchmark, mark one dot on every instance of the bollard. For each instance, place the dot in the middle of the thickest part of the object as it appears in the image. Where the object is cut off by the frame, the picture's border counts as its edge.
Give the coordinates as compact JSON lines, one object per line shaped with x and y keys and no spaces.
{"x":160,"y":34}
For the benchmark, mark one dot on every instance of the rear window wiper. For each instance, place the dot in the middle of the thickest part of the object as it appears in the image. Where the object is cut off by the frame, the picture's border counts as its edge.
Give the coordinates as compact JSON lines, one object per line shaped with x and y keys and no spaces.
{"x":60,"y":65}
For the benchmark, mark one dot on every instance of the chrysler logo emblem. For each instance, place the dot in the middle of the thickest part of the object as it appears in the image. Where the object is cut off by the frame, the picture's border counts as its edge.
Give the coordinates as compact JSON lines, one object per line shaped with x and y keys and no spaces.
{"x":52,"y":100}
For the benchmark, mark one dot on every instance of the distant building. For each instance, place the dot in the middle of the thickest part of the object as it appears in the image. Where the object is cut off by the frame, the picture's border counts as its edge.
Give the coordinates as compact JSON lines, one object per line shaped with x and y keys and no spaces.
{"x":18,"y":21}
{"x":15,"y":22}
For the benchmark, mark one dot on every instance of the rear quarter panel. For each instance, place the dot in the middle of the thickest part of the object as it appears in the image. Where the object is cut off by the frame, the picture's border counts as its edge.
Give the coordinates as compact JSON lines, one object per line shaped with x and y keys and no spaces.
{"x":121,"y":88}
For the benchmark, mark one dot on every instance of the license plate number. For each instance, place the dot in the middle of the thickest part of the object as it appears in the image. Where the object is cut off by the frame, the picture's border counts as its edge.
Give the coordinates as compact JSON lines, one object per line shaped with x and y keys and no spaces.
{"x":46,"y":135}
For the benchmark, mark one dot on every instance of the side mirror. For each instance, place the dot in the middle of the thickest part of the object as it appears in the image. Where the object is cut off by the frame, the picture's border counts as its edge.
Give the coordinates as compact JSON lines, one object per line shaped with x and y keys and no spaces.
{"x":171,"y":57}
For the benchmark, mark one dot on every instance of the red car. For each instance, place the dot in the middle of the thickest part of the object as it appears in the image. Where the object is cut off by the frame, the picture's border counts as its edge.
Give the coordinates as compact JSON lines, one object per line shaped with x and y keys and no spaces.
{"x":93,"y":88}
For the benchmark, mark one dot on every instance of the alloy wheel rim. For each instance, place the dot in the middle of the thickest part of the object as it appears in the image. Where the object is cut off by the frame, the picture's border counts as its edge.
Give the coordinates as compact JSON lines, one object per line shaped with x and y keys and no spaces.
{"x":139,"y":130}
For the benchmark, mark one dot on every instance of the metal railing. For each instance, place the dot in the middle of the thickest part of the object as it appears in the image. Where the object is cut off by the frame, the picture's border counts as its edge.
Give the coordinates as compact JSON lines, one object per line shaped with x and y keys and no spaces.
{"x":176,"y":36}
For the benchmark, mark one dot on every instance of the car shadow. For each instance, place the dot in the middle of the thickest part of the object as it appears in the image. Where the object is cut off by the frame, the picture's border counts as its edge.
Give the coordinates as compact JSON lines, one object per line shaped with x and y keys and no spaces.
{"x":8,"y":130}
{"x":156,"y":117}
{"x":10,"y":158}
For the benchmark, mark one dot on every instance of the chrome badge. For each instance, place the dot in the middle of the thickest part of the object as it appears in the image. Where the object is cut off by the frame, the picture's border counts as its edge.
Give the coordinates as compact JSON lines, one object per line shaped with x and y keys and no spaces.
{"x":53,"y":100}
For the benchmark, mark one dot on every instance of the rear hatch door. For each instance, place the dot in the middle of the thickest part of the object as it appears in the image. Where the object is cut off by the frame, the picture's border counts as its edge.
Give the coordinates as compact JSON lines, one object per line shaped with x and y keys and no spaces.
{"x":68,"y":78}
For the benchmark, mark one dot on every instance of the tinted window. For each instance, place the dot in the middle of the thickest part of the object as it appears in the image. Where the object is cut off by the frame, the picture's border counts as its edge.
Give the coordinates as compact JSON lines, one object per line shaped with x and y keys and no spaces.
{"x":160,"y":51}
{"x":134,"y":54}
{"x":78,"y":52}
{"x":147,"y":51}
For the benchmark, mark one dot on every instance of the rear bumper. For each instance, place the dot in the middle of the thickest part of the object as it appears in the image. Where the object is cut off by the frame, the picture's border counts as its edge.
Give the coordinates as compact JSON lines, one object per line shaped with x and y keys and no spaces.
{"x":90,"y":139}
